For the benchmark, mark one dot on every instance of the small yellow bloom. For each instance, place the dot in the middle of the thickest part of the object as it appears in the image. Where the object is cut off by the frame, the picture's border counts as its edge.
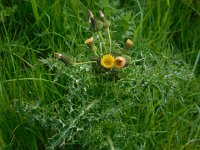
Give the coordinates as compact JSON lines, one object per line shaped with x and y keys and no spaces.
{"x":120,"y":62}
{"x":108,"y":61}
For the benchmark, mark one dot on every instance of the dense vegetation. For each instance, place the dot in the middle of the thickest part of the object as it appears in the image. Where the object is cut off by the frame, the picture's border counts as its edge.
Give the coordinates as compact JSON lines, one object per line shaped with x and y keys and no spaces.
{"x":153,"y":104}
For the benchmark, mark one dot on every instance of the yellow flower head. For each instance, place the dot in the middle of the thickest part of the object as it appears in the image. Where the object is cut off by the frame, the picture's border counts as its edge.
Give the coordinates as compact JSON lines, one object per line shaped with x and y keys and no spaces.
{"x":120,"y":62}
{"x":108,"y":61}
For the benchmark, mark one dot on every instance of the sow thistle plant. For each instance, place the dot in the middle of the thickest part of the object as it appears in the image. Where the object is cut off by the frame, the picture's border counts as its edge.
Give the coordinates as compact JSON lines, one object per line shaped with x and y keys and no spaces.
{"x":104,"y":60}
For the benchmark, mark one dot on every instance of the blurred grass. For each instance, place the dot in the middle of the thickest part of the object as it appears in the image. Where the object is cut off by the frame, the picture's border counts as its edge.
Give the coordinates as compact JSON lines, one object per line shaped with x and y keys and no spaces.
{"x":45,"y":105}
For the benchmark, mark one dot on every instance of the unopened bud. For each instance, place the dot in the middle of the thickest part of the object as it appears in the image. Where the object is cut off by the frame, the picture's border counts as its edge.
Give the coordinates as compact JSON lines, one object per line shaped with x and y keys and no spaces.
{"x":128,"y":44}
{"x":90,"y":14}
{"x":106,"y":23}
{"x":95,"y":25}
{"x":120,"y":62}
{"x":64,"y":59}
{"x":89,"y":41}
{"x":58,"y":55}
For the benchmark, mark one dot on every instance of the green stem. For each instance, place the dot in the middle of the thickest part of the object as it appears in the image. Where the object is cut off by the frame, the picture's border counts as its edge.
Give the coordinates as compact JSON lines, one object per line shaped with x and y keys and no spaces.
{"x":96,"y":53}
{"x":87,"y":62}
{"x":101,"y":37}
{"x":110,"y":142}
{"x":196,"y":62}
{"x":94,"y":49}
{"x":108,"y":31}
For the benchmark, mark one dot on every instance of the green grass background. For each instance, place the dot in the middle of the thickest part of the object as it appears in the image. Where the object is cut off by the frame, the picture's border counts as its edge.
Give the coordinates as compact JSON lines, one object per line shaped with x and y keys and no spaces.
{"x":46,"y":105}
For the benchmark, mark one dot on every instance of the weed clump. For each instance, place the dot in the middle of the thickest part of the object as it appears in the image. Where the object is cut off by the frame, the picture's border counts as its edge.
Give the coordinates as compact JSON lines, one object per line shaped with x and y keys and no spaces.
{"x":103,"y":59}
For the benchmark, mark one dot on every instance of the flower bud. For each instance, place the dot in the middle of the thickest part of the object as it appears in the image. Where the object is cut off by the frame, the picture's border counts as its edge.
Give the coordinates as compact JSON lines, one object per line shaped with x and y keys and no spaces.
{"x":128,"y":44}
{"x":120,"y":62}
{"x":64,"y":59}
{"x":106,"y":23}
{"x":58,"y":55}
{"x":95,"y":25}
{"x":90,"y":43}
{"x":90,"y":14}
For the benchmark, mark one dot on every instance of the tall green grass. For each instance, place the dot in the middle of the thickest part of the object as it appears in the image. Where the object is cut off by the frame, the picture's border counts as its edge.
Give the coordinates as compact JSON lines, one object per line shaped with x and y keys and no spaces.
{"x":46,"y":105}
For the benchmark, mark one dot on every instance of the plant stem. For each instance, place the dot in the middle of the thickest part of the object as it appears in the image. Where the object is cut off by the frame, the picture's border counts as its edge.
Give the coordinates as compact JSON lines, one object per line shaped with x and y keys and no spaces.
{"x":110,"y":142}
{"x":196,"y":62}
{"x":101,"y":37}
{"x":87,"y":62}
{"x":108,"y":31}
{"x":96,"y":54}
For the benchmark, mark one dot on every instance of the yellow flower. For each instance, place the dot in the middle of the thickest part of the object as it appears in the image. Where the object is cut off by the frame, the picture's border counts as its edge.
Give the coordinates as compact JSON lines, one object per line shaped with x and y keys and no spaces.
{"x":120,"y":62}
{"x":108,"y":61}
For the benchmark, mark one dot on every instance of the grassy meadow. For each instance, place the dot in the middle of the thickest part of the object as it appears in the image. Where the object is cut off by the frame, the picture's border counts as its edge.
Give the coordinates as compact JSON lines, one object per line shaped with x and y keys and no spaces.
{"x":151,"y":103}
